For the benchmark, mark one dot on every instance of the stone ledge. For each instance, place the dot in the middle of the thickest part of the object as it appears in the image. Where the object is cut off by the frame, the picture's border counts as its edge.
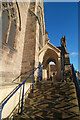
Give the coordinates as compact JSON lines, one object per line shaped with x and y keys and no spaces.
{"x":5,"y":45}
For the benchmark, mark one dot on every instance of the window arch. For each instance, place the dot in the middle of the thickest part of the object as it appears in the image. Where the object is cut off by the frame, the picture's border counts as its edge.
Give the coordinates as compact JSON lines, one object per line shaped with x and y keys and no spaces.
{"x":40,"y":28}
{"x":4,"y":25}
{"x":9,"y":22}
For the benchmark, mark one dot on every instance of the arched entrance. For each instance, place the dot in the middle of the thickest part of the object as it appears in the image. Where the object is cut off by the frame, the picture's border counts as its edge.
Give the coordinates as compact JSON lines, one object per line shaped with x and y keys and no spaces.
{"x":52,"y":71}
{"x":47,"y":54}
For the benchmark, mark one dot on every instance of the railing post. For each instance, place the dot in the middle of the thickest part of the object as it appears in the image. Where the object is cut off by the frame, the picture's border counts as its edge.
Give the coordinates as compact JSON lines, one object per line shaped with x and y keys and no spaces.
{"x":33,"y":83}
{"x":0,"y":111}
{"x":22,"y":101}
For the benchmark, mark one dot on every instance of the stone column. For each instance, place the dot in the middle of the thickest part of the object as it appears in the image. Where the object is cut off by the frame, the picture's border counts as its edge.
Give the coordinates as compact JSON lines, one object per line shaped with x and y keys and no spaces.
{"x":49,"y":71}
{"x":44,"y":74}
{"x":59,"y":69}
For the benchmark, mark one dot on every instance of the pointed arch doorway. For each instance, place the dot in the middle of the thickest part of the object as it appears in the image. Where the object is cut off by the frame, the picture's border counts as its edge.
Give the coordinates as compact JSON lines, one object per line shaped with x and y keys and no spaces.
{"x":47,"y":54}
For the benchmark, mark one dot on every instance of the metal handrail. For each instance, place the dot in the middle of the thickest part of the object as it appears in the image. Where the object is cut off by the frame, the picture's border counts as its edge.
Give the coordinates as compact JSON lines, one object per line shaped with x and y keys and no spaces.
{"x":76,"y":81}
{"x":17,"y":106}
{"x":21,"y":75}
{"x":15,"y":90}
{"x":9,"y":95}
{"x":16,"y":86}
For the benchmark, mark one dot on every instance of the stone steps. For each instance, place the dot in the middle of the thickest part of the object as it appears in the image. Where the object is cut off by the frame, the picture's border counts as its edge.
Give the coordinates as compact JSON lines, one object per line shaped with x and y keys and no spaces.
{"x":51,"y":101}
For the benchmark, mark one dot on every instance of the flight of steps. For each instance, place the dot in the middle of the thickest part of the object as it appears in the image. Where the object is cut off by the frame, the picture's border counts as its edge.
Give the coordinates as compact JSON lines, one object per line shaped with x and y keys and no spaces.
{"x":51,"y":101}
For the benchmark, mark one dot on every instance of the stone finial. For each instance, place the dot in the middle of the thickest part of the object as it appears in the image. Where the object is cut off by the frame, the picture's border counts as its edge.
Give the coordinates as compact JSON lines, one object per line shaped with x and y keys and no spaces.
{"x":63,"y":39}
{"x":62,"y":36}
{"x":63,"y":43}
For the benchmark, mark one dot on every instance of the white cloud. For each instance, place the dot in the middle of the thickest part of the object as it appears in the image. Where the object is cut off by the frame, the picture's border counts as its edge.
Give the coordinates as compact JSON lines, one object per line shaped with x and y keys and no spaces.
{"x":74,"y":53}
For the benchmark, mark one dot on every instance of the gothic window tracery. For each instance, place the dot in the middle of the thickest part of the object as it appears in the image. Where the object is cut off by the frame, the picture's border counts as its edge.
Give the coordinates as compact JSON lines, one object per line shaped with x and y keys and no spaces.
{"x":9,"y":23}
{"x":4,"y":25}
{"x":40,"y":30}
{"x":39,"y":14}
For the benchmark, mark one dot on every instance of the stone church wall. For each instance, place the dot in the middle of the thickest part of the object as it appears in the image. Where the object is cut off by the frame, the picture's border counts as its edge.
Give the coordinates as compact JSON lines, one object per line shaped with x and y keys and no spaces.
{"x":20,"y":50}
{"x":33,"y":39}
{"x":12,"y":57}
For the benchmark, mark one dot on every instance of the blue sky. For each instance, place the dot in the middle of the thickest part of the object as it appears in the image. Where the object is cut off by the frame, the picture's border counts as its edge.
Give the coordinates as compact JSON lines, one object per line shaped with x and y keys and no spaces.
{"x":62,"y":18}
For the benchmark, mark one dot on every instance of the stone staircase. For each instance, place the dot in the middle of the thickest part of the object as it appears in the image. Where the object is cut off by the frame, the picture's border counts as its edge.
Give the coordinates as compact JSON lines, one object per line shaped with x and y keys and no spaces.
{"x":51,"y":101}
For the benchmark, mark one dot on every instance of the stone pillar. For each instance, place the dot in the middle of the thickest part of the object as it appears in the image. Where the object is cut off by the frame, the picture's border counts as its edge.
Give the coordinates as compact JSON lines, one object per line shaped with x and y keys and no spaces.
{"x":59,"y":69}
{"x":44,"y":74}
{"x":49,"y":71}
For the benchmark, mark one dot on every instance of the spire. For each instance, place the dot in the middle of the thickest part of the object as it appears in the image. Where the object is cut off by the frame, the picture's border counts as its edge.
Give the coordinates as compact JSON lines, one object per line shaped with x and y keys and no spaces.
{"x":63,"y":40}
{"x":62,"y":36}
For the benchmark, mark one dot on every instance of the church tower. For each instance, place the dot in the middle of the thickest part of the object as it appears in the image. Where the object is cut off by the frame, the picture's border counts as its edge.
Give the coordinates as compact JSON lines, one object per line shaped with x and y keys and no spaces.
{"x":66,"y":66}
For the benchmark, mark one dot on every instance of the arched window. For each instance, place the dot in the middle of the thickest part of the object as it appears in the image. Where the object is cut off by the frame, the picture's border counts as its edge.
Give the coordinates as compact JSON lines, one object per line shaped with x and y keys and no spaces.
{"x":9,"y":19}
{"x":40,"y":30}
{"x":5,"y":24}
{"x":12,"y":34}
{"x":40,"y":35}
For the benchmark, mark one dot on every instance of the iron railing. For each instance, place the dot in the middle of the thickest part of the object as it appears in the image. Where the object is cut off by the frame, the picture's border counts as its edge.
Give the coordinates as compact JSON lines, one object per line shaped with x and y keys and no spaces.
{"x":17,"y":108}
{"x":22,"y":75}
{"x":76,"y":81}
{"x":15,"y":90}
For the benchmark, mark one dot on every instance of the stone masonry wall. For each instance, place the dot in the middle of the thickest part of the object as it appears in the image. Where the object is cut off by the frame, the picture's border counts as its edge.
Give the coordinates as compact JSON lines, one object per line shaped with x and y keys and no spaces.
{"x":12,"y":58}
{"x":29,"y":44}
{"x":25,"y":54}
{"x":41,"y":6}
